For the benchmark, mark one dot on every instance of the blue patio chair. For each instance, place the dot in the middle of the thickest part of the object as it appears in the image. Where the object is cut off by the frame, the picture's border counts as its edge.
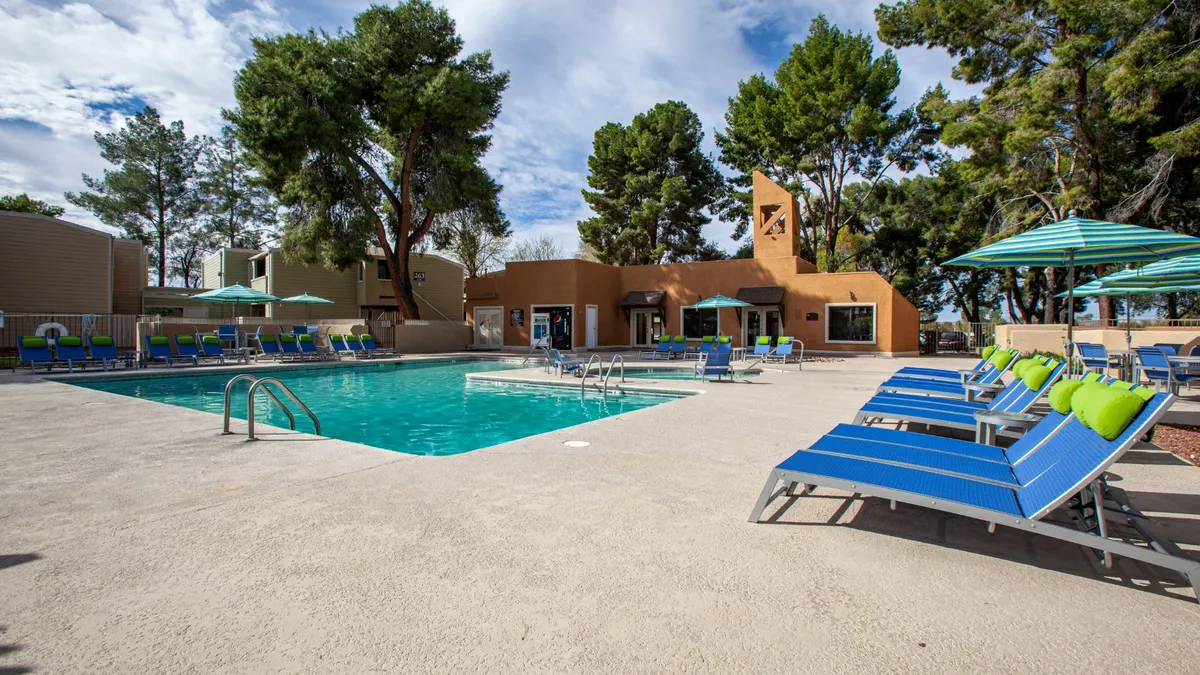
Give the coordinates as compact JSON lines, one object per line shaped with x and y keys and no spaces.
{"x":713,"y":363}
{"x":307,"y":347}
{"x":159,"y":347}
{"x":662,"y":350}
{"x":355,"y":346}
{"x":1170,"y":348}
{"x":69,"y":348}
{"x":211,"y":348}
{"x":103,"y":349}
{"x":678,"y":346}
{"x":35,"y":351}
{"x":706,"y":346}
{"x":1059,"y":464}
{"x":998,"y":364}
{"x":784,"y":351}
{"x":268,"y":345}
{"x":762,"y":346}
{"x":724,"y":344}
{"x":368,"y":343}
{"x":187,"y":345}
{"x":287,"y":346}
{"x":565,"y":365}
{"x":299,"y":330}
{"x":227,"y":333}
{"x":1094,"y":357}
{"x":949,"y":374}
{"x":1157,"y":367}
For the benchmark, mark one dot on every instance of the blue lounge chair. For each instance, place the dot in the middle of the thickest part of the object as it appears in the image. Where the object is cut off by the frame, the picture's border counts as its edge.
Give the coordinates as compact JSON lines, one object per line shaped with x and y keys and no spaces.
{"x":354,"y":346}
{"x":713,"y":363}
{"x":997,"y":366}
{"x":211,"y":348}
{"x":35,"y":351}
{"x":678,"y":346}
{"x":706,"y":346}
{"x":307,"y":347}
{"x":103,"y":349}
{"x":1069,"y":461}
{"x":1156,"y":365}
{"x":69,"y":348}
{"x":944,"y":373}
{"x":159,"y":347}
{"x":1017,"y":397}
{"x":268,"y":345}
{"x":784,"y":349}
{"x":227,"y":333}
{"x":1169,"y":348}
{"x":565,"y":365}
{"x":287,"y":346}
{"x":187,"y":345}
{"x":724,"y":344}
{"x":368,"y":344}
{"x":762,"y":346}
{"x":339,"y":345}
{"x":663,"y":350}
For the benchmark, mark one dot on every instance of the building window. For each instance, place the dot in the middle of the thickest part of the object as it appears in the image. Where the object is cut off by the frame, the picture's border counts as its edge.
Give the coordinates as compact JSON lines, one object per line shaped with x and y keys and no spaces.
{"x":258,"y":268}
{"x":382,"y":272}
{"x":700,"y":322}
{"x":850,"y":323}
{"x":360,"y":271}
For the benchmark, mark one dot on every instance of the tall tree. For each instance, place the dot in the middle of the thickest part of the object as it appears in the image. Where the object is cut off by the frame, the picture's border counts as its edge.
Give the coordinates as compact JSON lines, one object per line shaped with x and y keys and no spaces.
{"x":473,"y":239}
{"x":829,"y":119}
{"x":651,"y":187}
{"x":22,"y":203}
{"x":367,"y":136}
{"x":152,"y":195}
{"x":186,"y":253}
{"x":543,"y":247}
{"x":238,"y":209}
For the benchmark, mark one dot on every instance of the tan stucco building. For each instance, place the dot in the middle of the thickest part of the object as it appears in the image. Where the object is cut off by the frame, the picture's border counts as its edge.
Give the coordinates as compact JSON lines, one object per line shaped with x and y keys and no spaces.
{"x":49,"y":265}
{"x":583,"y":305}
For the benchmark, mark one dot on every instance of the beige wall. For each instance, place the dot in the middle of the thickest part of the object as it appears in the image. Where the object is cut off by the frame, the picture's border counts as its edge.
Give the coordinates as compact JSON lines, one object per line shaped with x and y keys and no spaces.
{"x":129,"y":276}
{"x":1050,"y":338}
{"x":284,"y":280}
{"x":432,"y":337}
{"x":226,"y":267}
{"x":439,"y":297}
{"x":50,"y":265}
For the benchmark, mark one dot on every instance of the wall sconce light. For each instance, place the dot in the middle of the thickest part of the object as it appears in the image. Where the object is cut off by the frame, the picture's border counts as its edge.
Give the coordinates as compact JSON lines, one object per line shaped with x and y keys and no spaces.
{"x":851,"y":294}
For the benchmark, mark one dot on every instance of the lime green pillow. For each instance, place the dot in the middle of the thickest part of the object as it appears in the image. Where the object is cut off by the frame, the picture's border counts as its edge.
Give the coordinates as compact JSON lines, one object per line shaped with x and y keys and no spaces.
{"x":266,"y":337}
{"x":988,"y":351}
{"x":102,"y":341}
{"x":33,"y":342}
{"x":305,"y":338}
{"x":724,"y":339}
{"x":367,"y":336}
{"x":287,"y":338}
{"x":1035,"y":376}
{"x":678,"y":338}
{"x":159,"y":340}
{"x":69,"y":341}
{"x":707,"y":338}
{"x":1000,"y":360}
{"x":1060,"y":395}
{"x":1091,"y":377}
{"x":210,"y":339}
{"x":1145,"y":392}
{"x":1082,"y":396}
{"x":763,"y":340}
{"x":1110,"y":411}
{"x":1122,"y":384}
{"x":185,"y":340}
{"x":785,"y":340}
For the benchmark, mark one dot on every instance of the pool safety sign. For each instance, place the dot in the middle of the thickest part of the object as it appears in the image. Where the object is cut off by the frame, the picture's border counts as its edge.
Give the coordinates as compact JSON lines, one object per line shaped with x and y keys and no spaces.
{"x":541,"y":329}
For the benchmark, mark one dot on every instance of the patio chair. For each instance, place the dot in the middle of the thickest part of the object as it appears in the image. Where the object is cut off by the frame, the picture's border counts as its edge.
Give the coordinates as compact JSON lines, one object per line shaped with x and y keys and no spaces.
{"x":299,"y":330}
{"x":368,"y":343}
{"x":69,"y":348}
{"x":678,"y":346}
{"x":159,"y":347}
{"x":1017,"y":397}
{"x":211,"y":348}
{"x":706,"y":346}
{"x":948,"y":374}
{"x":227,"y":333}
{"x":663,"y":350}
{"x":713,"y":363}
{"x":287,"y":346}
{"x":35,"y":351}
{"x":188,"y":345}
{"x":268,"y":345}
{"x":1156,"y":365}
{"x":762,"y":347}
{"x":354,"y":346}
{"x":103,"y":349}
{"x":307,"y":347}
{"x":1067,"y":461}
{"x":565,"y":365}
{"x":1094,"y":357}
{"x":998,"y":364}
{"x":724,"y":344}
{"x":1169,"y":348}
{"x":784,"y":349}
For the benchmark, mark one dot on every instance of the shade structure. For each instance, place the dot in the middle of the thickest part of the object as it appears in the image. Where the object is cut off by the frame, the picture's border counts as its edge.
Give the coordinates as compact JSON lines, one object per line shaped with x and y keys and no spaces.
{"x":720,"y":301}
{"x":1183,"y":270}
{"x":1080,"y":241}
{"x":1099,"y":288}
{"x":236,"y":294}
{"x":306,"y":300}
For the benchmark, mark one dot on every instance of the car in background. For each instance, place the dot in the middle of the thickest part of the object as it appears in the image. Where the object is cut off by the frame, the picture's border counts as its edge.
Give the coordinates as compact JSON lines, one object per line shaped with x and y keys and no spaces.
{"x":952,"y":341}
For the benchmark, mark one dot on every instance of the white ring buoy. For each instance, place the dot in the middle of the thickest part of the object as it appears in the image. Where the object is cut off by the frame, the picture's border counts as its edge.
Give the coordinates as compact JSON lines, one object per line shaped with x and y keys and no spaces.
{"x":62,"y":330}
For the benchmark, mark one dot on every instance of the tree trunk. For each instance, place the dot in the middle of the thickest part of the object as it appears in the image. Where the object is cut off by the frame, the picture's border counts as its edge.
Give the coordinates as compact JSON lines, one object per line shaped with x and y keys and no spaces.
{"x":1051,"y":289}
{"x":402,"y":286}
{"x":162,"y":258}
{"x":1172,"y":306}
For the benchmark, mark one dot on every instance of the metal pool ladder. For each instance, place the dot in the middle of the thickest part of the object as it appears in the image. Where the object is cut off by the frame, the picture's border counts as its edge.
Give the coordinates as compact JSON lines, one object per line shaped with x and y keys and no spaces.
{"x":611,"y":365}
{"x":588,"y":368}
{"x":261,"y":383}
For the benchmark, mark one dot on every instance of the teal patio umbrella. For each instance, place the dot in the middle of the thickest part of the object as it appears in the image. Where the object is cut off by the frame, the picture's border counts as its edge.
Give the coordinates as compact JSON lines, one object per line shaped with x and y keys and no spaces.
{"x":1100,"y":288}
{"x":235,"y":295}
{"x":1184,"y":270}
{"x":306,"y":300}
{"x":720,"y":301}
{"x":1080,"y":241}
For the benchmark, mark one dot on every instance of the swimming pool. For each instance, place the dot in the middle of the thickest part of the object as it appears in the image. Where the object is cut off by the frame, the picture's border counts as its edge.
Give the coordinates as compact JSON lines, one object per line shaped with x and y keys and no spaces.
{"x":417,"y":408}
{"x":672,"y":374}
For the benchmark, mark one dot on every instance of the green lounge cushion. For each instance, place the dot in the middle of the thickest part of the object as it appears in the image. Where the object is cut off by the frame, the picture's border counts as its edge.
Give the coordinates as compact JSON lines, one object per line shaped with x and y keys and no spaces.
{"x":678,"y":338}
{"x":210,"y":339}
{"x":785,"y":340}
{"x":707,"y":338}
{"x":367,"y":336}
{"x":266,"y":337}
{"x":305,"y":338}
{"x":69,"y":341}
{"x":1060,"y":395}
{"x":287,"y":338}
{"x":102,"y":341}
{"x":1110,"y":411}
{"x":159,"y":340}
{"x":1145,"y":392}
{"x":724,"y":339}
{"x":988,"y":351}
{"x":33,"y":342}
{"x":1000,"y":359}
{"x":1018,"y":368}
{"x":1122,"y":384}
{"x":335,"y":338}
{"x":1084,"y":395}
{"x":1091,"y":377}
{"x":185,"y":339}
{"x":1035,"y":376}
{"x":665,"y":339}
{"x":763,"y":340}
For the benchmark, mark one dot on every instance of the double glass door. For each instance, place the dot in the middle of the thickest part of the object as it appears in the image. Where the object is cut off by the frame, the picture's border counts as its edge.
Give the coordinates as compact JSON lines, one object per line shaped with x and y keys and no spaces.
{"x":760,"y":321}
{"x":646,"y":327}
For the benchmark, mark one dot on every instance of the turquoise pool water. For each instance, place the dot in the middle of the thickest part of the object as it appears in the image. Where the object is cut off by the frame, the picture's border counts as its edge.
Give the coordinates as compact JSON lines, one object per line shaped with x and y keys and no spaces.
{"x":421,"y":409}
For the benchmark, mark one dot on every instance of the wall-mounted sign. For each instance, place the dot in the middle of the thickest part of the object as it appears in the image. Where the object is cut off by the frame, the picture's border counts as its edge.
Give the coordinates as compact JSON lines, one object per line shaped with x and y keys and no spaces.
{"x":516,"y":317}
{"x":812,"y":316}
{"x":418,"y":276}
{"x":541,"y":329}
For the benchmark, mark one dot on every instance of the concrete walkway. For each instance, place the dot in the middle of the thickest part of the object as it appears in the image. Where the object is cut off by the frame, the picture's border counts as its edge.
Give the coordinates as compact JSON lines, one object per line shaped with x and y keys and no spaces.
{"x":135,"y":539}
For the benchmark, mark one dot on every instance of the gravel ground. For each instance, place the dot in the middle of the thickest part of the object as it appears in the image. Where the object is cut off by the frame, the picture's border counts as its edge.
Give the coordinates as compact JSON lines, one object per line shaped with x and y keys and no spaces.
{"x":1183,"y":440}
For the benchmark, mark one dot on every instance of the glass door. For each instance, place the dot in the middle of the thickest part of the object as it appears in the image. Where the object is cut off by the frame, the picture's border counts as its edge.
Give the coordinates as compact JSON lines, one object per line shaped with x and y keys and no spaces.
{"x":754,"y":326}
{"x":644,"y":323}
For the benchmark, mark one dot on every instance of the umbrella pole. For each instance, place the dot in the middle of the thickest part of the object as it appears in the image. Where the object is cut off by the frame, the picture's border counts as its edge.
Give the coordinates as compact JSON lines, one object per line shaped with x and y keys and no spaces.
{"x":1070,"y":306}
{"x":1128,"y":321}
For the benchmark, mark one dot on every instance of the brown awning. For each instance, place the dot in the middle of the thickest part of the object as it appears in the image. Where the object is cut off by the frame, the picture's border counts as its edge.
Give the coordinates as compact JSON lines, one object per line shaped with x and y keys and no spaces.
{"x":643,"y":299}
{"x":761,"y":295}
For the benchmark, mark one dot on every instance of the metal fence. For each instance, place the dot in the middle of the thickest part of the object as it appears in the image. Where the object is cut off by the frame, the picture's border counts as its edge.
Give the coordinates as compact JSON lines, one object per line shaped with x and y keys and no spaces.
{"x":122,"y":327}
{"x":956,"y":337}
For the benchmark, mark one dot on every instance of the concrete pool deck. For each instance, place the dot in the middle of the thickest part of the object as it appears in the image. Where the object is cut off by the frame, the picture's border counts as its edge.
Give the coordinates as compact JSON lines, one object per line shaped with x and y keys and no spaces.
{"x":136,"y":538}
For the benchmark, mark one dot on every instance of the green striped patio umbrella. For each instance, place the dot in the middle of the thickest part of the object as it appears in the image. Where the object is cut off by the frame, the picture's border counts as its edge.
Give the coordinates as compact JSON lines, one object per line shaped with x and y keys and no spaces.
{"x":1162,"y":274}
{"x":235,"y":295}
{"x":1100,"y":288}
{"x":306,"y":300}
{"x":1079,"y":241}
{"x":719,"y":301}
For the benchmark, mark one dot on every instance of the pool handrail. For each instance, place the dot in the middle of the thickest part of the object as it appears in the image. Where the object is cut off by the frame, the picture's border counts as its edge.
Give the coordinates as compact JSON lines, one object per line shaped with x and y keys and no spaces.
{"x":611,"y":364}
{"x":262,"y":383}
{"x":586,"y":369}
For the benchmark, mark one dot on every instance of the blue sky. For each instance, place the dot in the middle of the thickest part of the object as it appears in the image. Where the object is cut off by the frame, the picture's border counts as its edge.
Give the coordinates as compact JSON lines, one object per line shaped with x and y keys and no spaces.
{"x":70,"y":69}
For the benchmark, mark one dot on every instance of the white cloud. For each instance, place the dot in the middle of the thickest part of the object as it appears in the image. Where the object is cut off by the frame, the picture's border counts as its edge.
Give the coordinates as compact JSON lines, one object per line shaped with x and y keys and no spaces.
{"x":575,"y":64}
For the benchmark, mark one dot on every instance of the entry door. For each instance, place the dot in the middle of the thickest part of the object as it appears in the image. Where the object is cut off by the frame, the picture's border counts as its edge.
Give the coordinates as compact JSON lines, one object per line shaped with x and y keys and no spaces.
{"x":489,"y":329}
{"x":761,"y":321}
{"x":593,"y":328}
{"x":646,"y":328}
